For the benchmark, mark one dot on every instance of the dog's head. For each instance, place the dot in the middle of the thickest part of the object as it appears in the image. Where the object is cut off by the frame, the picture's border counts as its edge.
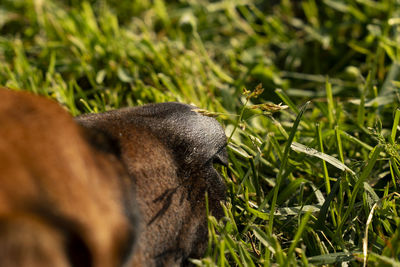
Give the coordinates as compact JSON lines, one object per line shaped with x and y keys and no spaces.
{"x":169,"y":150}
{"x":81,"y":195}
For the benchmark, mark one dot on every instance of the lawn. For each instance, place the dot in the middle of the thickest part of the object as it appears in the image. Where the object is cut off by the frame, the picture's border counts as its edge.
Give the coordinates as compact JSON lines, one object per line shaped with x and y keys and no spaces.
{"x":307,"y":92}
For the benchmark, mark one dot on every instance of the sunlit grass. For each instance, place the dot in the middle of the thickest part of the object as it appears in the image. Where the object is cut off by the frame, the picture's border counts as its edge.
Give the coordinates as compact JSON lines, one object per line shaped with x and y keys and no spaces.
{"x":303,"y":179}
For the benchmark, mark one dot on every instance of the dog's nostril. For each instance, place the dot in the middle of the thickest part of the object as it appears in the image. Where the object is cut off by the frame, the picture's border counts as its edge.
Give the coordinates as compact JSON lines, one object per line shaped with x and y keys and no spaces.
{"x":221,"y":157}
{"x":218,"y":161}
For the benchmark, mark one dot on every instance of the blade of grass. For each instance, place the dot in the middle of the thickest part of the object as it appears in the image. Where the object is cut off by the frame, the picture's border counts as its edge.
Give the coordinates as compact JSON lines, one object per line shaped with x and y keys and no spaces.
{"x":297,"y":237}
{"x":331,"y":107}
{"x":394,"y":127}
{"x":283,"y":165}
{"x":285,"y":98}
{"x":364,"y":175}
{"x":315,"y":153}
{"x":361,"y":106}
{"x":325,"y":172}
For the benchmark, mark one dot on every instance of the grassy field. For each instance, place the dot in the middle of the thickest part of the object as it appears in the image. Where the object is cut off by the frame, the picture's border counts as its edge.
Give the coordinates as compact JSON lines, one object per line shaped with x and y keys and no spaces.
{"x":307,"y":91}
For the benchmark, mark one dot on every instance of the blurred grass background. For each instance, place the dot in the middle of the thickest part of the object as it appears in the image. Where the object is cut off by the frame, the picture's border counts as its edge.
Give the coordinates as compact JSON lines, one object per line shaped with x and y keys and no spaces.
{"x":314,"y":156}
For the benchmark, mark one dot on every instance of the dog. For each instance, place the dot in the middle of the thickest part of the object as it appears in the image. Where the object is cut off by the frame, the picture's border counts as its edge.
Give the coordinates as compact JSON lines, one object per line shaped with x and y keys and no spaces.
{"x":121,"y":188}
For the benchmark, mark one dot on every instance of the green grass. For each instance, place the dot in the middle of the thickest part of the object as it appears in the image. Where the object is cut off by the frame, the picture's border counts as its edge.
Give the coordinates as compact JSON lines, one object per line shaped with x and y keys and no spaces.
{"x":308,"y":184}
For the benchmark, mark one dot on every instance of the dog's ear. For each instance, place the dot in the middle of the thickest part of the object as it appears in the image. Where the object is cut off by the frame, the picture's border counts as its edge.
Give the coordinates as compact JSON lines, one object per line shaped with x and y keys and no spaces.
{"x":46,"y":161}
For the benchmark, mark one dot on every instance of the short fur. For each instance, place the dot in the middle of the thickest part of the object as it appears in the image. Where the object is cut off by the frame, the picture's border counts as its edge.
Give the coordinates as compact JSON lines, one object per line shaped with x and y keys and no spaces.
{"x":70,"y":195}
{"x":169,"y":150}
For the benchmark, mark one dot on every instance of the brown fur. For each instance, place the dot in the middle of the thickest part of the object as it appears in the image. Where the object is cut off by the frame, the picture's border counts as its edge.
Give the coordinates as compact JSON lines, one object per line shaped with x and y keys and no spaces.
{"x":70,"y":195}
{"x":52,"y":181}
